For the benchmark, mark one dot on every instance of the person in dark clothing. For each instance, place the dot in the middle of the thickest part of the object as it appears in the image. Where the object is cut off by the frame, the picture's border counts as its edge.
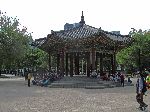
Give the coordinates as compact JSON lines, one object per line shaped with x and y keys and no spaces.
{"x":121,"y":78}
{"x":141,"y":88}
{"x":129,"y":80}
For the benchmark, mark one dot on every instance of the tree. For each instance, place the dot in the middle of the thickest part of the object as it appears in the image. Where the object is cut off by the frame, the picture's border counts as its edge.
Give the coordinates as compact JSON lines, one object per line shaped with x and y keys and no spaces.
{"x":129,"y":57}
{"x":15,"y":46}
{"x":13,"y":41}
{"x":35,"y":58}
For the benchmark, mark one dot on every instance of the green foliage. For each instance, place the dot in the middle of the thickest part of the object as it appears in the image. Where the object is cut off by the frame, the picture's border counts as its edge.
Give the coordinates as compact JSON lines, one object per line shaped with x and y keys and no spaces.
{"x":35,"y":58}
{"x":13,"y":41}
{"x":129,"y":56}
{"x":15,"y":46}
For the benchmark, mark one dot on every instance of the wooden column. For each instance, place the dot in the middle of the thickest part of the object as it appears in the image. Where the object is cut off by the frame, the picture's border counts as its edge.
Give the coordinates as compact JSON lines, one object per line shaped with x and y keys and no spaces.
{"x":58,"y":63}
{"x":96,"y":61}
{"x":71,"y":64}
{"x":113,"y":60}
{"x":93,"y":59}
{"x":82,"y":69}
{"x":76,"y":63}
{"x":109,"y":68}
{"x":62,"y":63}
{"x":101,"y":63}
{"x":88,"y":64}
{"x":49,"y":61}
{"x":66,"y":64}
{"x":112,"y":64}
{"x":78,"y":59}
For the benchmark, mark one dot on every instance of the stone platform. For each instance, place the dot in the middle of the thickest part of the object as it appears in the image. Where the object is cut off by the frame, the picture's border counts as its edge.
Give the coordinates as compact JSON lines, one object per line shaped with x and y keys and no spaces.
{"x":85,"y":82}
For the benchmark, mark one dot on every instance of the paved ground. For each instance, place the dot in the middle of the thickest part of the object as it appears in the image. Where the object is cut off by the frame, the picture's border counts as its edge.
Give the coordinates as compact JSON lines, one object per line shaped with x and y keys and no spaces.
{"x":15,"y":96}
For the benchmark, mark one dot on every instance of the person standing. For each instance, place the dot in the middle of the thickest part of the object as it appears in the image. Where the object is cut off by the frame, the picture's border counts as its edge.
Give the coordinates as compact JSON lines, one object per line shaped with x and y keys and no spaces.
{"x":141,"y":88}
{"x":29,"y":78}
{"x":122,"y":79}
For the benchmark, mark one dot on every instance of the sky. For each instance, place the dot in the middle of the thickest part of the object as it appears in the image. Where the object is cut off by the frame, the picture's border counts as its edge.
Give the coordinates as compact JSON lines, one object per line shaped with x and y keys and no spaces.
{"x":42,"y":16}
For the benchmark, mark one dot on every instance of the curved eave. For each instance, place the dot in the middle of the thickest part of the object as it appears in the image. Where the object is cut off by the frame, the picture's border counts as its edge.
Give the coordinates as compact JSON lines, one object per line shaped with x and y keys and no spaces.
{"x":83,"y":37}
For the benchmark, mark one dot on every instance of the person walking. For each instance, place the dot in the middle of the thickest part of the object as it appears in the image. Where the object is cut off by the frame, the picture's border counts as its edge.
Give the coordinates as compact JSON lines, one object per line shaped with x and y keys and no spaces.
{"x":141,"y":88}
{"x":29,"y":78}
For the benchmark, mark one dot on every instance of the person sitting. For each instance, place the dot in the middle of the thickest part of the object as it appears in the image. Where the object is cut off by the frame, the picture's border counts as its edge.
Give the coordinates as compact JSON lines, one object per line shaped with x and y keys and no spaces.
{"x":34,"y":82}
{"x":45,"y":82}
{"x":105,"y":77}
{"x":94,"y":74}
{"x":111,"y":78}
{"x":129,"y":80}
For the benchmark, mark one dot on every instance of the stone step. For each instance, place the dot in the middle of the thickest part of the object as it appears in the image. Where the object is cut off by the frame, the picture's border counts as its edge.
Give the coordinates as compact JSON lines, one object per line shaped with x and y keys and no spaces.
{"x":87,"y":86}
{"x":111,"y":86}
{"x":78,"y":85}
{"x":79,"y":78}
{"x":85,"y":82}
{"x":95,"y":87}
{"x":126,"y":84}
{"x":63,"y":85}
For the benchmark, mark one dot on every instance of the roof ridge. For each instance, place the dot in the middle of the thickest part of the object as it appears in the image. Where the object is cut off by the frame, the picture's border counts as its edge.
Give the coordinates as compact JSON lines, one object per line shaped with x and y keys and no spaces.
{"x":114,"y":33}
{"x":91,"y":26}
{"x":40,"y":39}
{"x":89,"y":29}
{"x":72,"y":29}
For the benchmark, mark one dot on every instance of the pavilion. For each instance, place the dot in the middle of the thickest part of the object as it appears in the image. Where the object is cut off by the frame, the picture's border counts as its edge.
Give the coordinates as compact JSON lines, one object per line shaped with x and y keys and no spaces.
{"x":95,"y":45}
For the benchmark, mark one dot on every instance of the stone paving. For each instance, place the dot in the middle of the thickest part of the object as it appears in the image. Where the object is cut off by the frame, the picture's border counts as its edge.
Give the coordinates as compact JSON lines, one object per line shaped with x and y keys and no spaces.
{"x":15,"y":96}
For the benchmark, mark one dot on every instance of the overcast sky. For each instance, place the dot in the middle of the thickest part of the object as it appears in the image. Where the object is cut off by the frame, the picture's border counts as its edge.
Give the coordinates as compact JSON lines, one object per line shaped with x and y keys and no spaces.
{"x":42,"y":16}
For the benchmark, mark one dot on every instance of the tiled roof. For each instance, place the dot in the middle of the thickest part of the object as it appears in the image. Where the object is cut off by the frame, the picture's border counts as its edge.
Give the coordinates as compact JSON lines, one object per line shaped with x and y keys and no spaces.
{"x":78,"y":32}
{"x":39,"y":42}
{"x":116,"y":37}
{"x":83,"y":36}
{"x":88,"y":31}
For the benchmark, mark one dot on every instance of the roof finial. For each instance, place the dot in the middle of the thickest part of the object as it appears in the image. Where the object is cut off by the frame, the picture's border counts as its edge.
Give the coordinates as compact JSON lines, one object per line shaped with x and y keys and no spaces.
{"x":82,"y":22}
{"x":82,"y":13}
